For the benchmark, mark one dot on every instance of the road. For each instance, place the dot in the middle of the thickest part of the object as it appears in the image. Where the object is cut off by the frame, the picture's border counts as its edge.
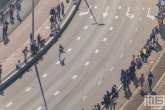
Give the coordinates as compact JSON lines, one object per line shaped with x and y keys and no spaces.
{"x":92,"y":62}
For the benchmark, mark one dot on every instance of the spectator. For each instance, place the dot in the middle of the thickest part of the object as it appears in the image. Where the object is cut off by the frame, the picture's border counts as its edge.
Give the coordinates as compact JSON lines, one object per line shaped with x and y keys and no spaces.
{"x":108,"y":94}
{"x":7,"y":24}
{"x":150,"y":78}
{"x":18,"y":7}
{"x":52,"y":12}
{"x":19,"y":65}
{"x":0,"y":70}
{"x":98,"y":106}
{"x":106,"y":100}
{"x":25,"y":51}
{"x":122,"y":72}
{"x":11,"y":12}
{"x":127,"y":80}
{"x":62,"y":9}
{"x":133,"y":58}
{"x":124,"y":81}
{"x":12,"y":5}
{"x":31,"y":38}
{"x":59,"y":9}
{"x":113,"y":90}
{"x":56,"y":13}
{"x":132,"y":72}
{"x":39,"y":40}
{"x":4,"y":29}
{"x":142,"y":55}
{"x":141,"y":81}
{"x":52,"y":20}
{"x":116,"y":89}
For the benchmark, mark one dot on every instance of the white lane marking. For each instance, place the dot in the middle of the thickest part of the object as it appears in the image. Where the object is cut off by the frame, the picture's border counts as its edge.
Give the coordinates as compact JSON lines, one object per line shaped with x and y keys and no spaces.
{"x":136,"y":29}
{"x":78,"y":38}
{"x":69,"y":49}
{"x":45,"y":22}
{"x":39,"y":108}
{"x":140,"y":19}
{"x":10,"y":56}
{"x":130,"y":41}
{"x":96,"y":51}
{"x":91,"y":17}
{"x":84,"y":97}
{"x":119,"y":7}
{"x":9,"y":104}
{"x":104,"y":39}
{"x":95,"y":7}
{"x":116,"y":17}
{"x":121,"y":55}
{"x":37,"y":31}
{"x":110,"y":28}
{"x":47,"y":27}
{"x":28,"y":89}
{"x":152,"y":62}
{"x":44,"y":75}
{"x":112,"y":68}
{"x":143,"y":8}
{"x":85,"y":27}
{"x":18,"y":49}
{"x":86,"y":63}
{"x":26,"y":42}
{"x":74,"y":77}
{"x":58,"y":62}
{"x":99,"y":83}
{"x":57,"y":93}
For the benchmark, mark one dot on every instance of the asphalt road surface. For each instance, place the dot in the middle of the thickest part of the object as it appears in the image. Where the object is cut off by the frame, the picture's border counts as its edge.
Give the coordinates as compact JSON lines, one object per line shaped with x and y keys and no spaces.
{"x":93,"y":59}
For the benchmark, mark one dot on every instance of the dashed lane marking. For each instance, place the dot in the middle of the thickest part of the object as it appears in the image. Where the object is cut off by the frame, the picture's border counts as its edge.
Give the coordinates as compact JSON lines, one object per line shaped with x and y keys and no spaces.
{"x":78,"y":38}
{"x":130,"y":41}
{"x":96,"y":51}
{"x":44,"y":75}
{"x":111,"y":28}
{"x":112,"y":68}
{"x":85,"y":27}
{"x":104,"y":39}
{"x":99,"y":83}
{"x":28,"y":89}
{"x":84,"y":97}
{"x":86,"y":63}
{"x":121,"y":55}
{"x":143,"y":8}
{"x":69,"y":49}
{"x":57,"y":93}
{"x":95,"y":7}
{"x":136,"y":29}
{"x":119,"y":7}
{"x":47,"y":27}
{"x":18,"y":49}
{"x":116,"y":17}
{"x":140,"y":19}
{"x":39,"y":108}
{"x":9,"y":104}
{"x":58,"y":62}
{"x":74,"y":77}
{"x":91,"y":17}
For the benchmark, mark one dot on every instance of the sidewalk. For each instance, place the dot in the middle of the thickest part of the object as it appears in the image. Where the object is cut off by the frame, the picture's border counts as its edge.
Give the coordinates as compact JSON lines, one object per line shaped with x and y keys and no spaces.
{"x":20,"y":37}
{"x":26,"y":8}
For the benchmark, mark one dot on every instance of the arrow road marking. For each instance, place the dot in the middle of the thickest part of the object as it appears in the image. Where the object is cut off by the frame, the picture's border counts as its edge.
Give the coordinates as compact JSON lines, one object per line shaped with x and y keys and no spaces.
{"x":129,"y":15}
{"x":85,"y":13}
{"x":149,"y":16}
{"x":105,"y":14}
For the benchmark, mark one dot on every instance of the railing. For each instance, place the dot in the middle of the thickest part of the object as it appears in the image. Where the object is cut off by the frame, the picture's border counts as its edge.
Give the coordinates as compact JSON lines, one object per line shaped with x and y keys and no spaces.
{"x":4,"y":11}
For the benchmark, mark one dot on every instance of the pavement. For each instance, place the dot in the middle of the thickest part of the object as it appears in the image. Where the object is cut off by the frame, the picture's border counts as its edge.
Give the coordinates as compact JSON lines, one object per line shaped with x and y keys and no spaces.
{"x":92,"y":62}
{"x":19,"y":38}
{"x":26,"y":8}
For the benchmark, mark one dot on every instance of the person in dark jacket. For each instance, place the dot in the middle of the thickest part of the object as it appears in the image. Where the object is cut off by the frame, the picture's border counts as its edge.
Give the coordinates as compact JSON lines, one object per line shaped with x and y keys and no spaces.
{"x":52,"y":12}
{"x":59,"y":9}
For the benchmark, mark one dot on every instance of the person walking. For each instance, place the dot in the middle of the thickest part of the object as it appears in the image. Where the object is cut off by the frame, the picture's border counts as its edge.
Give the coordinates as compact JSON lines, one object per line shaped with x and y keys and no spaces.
{"x":56,"y":13}
{"x":62,"y":9}
{"x":39,"y":40}
{"x":124,"y":81}
{"x":150,"y":79}
{"x":61,"y":50}
{"x":18,"y":7}
{"x":59,"y":9}
{"x":0,"y":71}
{"x":31,"y":38}
{"x":52,"y":12}
{"x":141,"y":81}
{"x":11,"y":12}
{"x":7,"y":24}
{"x":4,"y":29}
{"x":25,"y":51}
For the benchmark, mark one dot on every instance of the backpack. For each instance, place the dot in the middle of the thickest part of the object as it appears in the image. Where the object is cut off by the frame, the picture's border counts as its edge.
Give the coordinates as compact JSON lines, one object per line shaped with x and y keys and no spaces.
{"x":23,"y":51}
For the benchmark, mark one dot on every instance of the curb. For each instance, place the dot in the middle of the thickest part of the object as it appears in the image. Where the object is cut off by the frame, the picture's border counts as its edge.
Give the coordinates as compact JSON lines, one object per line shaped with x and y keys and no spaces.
{"x":42,"y":52}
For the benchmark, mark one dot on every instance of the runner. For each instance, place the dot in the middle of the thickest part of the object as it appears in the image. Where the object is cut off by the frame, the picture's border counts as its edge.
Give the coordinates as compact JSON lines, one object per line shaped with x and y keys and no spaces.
{"x":61,"y":50}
